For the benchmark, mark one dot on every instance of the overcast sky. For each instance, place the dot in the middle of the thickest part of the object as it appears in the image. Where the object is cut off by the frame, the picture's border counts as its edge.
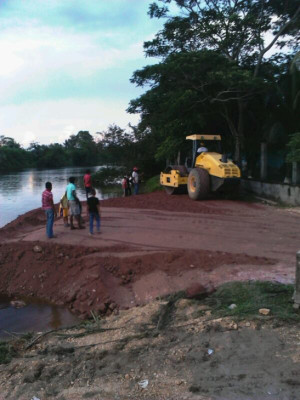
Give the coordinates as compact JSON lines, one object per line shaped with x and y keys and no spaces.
{"x":66,"y":64}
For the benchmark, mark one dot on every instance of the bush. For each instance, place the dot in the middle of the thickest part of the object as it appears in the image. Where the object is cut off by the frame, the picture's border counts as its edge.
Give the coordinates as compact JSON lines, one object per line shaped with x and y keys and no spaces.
{"x":152,"y":184}
{"x":294,"y":148}
{"x":108,"y":175}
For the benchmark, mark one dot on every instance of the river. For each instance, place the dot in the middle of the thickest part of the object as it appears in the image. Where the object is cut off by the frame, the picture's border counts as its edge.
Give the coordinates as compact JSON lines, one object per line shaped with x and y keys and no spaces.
{"x":21,"y":191}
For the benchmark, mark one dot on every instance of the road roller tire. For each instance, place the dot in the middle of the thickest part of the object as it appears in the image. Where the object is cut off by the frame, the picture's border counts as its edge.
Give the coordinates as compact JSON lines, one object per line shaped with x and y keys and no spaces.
{"x":175,"y":190}
{"x":170,"y":190}
{"x":198,"y":184}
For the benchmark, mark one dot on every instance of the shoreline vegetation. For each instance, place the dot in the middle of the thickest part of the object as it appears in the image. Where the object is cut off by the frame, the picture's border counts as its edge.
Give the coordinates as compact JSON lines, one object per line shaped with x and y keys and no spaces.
{"x":112,"y":175}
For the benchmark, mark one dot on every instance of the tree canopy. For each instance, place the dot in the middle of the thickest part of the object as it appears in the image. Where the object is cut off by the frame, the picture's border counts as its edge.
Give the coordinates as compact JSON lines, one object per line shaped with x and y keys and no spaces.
{"x":213,"y":74}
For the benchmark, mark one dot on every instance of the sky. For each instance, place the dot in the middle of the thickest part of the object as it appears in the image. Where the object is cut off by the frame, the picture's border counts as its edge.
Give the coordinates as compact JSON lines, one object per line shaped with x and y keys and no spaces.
{"x":66,"y":64}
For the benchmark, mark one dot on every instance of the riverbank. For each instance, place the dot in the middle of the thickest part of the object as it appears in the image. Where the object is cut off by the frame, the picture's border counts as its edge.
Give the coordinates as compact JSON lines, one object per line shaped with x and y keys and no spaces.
{"x":171,"y":348}
{"x":150,"y":245}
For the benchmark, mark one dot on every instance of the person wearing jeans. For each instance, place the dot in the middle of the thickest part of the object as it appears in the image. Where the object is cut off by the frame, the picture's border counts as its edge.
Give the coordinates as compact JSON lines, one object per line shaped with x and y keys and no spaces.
{"x":93,"y":210}
{"x":49,"y":223}
{"x":48,"y":207}
{"x":94,"y":216}
{"x":135,"y":180}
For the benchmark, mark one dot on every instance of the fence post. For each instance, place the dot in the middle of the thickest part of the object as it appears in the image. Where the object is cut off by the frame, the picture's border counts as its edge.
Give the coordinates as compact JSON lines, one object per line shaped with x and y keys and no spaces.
{"x":297,"y":283}
{"x":263,"y":161}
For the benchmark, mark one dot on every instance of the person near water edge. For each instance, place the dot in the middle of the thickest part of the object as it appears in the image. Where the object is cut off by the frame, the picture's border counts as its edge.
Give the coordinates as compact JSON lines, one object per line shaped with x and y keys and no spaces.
{"x":129,"y":183}
{"x":64,"y":209}
{"x":49,"y":208}
{"x":125,"y":186}
{"x":74,"y":204}
{"x":87,"y":180}
{"x":135,"y":180}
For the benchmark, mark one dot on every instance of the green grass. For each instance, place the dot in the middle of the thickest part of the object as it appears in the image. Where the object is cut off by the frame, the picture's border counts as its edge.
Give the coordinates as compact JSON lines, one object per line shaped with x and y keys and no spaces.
{"x":152,"y":184}
{"x":6,"y":353}
{"x":250,"y":297}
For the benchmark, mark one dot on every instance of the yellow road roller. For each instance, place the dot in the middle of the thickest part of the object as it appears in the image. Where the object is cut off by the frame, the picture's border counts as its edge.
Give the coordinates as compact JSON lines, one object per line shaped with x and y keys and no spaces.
{"x":208,"y":171}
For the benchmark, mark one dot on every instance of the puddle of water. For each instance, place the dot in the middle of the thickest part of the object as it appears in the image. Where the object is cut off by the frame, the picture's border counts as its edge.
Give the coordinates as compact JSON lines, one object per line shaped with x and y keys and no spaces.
{"x":36,"y":316}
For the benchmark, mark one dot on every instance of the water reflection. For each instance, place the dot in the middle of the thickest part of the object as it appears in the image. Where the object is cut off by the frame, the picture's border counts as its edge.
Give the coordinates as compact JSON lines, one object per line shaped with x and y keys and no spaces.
{"x":21,"y":191}
{"x":55,"y":321}
{"x":36,"y":316}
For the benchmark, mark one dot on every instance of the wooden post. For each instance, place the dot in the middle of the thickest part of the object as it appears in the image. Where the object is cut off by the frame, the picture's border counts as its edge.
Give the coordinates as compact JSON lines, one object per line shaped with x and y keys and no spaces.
{"x":263,"y":161}
{"x":297,"y":283}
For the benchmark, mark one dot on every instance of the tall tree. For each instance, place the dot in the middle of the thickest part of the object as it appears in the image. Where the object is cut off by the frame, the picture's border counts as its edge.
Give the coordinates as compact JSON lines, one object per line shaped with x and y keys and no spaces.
{"x":235,"y":29}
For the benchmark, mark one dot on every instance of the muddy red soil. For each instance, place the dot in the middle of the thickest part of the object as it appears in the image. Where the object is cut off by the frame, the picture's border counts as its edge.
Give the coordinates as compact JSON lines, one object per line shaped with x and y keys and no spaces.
{"x":149,"y":246}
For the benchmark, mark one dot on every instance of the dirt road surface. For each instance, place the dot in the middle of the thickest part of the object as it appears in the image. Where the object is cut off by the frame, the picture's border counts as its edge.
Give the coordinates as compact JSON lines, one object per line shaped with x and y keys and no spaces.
{"x":149,"y":246}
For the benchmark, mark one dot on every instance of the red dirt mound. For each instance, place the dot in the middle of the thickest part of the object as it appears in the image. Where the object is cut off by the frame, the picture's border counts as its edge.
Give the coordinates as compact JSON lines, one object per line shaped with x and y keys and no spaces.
{"x":179,"y":203}
{"x":84,"y":280}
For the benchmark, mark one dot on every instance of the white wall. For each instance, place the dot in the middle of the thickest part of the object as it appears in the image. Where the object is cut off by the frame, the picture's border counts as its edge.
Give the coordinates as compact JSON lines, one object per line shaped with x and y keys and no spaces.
{"x":286,"y":193}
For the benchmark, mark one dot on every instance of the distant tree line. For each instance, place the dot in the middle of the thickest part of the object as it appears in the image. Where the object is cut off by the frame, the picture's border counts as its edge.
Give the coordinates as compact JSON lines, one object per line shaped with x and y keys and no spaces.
{"x":78,"y":150}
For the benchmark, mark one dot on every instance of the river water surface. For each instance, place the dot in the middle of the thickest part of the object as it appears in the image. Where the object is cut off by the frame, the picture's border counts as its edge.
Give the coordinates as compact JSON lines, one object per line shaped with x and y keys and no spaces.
{"x":21,"y":192}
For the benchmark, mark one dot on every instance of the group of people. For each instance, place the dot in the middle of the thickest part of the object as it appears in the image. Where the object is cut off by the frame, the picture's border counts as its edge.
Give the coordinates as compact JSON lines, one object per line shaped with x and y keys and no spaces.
{"x":131,"y":181}
{"x":70,"y":206}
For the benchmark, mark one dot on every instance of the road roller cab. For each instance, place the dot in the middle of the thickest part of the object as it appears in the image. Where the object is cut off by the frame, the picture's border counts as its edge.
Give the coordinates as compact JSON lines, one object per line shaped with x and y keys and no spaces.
{"x":209,"y":171}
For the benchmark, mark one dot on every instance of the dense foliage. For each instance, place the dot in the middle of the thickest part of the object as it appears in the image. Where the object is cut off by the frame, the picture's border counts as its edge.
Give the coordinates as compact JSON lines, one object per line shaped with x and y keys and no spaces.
{"x":215,"y":75}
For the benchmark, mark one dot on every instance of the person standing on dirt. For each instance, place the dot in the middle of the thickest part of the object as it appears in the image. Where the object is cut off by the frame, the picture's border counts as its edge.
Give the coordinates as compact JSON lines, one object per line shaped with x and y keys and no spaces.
{"x":87,"y":180}
{"x":125,"y":186}
{"x":49,"y":208}
{"x":74,"y":204}
{"x":93,"y":210}
{"x":135,"y":180}
{"x":129,"y":183}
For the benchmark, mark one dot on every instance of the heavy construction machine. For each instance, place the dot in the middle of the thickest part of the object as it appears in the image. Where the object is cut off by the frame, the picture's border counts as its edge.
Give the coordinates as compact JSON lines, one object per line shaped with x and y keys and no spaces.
{"x":205,"y":173}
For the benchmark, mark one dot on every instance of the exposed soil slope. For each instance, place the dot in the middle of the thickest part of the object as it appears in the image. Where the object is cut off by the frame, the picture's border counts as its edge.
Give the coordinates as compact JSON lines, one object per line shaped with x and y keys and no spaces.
{"x":150,"y":245}
{"x":188,"y":355}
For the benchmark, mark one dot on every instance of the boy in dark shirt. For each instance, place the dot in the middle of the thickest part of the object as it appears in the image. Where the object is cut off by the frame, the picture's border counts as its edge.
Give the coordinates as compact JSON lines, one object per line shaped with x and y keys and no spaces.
{"x":93,"y":209}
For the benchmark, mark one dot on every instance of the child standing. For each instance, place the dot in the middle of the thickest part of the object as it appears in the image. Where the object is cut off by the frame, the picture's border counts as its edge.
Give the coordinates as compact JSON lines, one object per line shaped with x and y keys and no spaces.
{"x":125,"y":186}
{"x":48,"y":207}
{"x":64,"y":209}
{"x":93,"y":209}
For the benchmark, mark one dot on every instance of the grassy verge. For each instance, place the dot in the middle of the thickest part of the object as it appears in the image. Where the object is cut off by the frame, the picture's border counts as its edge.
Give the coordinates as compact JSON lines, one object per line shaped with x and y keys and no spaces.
{"x":249,"y":297}
{"x":152,"y":184}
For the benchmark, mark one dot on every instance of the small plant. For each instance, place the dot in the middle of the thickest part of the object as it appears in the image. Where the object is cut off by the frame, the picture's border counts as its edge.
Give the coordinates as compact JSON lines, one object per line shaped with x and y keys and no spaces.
{"x":152,"y":184}
{"x":294,"y":148}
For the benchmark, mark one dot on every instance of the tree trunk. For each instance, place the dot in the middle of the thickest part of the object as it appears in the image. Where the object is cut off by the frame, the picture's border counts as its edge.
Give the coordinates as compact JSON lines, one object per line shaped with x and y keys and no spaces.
{"x":236,"y":138}
{"x":241,"y":107}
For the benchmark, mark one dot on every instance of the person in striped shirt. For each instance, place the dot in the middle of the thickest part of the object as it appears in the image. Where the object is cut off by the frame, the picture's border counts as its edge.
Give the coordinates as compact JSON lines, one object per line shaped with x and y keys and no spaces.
{"x":48,"y":207}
